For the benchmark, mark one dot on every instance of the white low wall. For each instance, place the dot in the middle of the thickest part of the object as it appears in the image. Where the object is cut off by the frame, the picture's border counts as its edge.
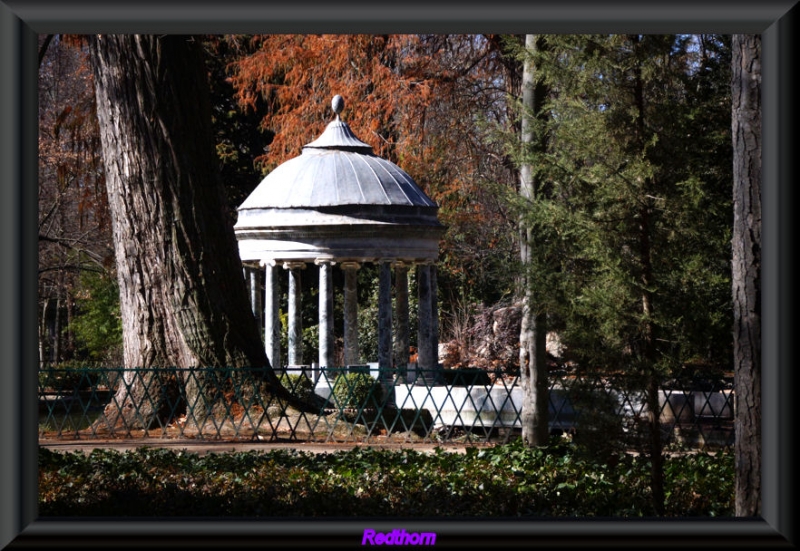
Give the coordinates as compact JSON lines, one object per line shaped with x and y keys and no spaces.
{"x":463,"y":406}
{"x":498,"y":406}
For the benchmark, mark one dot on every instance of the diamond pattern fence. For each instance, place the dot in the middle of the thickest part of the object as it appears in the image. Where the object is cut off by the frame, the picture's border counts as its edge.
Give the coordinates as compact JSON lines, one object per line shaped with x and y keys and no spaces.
{"x":366,"y":405}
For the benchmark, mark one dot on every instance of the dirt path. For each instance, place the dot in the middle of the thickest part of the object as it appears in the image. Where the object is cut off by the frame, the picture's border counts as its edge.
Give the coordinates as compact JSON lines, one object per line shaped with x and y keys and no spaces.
{"x":204,"y":447}
{"x":291,"y":430}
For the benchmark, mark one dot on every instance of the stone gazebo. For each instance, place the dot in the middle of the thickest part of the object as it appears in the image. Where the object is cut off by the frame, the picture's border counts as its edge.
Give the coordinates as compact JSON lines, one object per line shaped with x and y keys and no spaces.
{"x":338,"y":204}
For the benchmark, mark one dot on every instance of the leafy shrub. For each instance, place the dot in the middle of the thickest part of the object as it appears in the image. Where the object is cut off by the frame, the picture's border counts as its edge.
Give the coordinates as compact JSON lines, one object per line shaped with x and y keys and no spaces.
{"x":97,"y":325}
{"x":298,"y":384}
{"x":599,"y":430}
{"x":353,"y":390}
{"x":70,"y":376}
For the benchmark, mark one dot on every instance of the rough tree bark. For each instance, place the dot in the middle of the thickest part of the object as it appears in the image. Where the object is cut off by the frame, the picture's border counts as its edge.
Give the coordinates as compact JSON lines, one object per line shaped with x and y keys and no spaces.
{"x":746,"y":276}
{"x":533,"y":359}
{"x":183,"y":298}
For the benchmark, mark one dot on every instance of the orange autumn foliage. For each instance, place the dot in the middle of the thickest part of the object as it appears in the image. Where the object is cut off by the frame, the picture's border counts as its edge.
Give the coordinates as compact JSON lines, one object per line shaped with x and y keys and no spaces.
{"x":297,"y":75}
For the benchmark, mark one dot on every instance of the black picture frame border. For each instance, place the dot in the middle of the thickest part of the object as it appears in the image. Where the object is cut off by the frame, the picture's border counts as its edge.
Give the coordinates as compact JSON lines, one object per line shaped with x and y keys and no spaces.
{"x":21,"y":21}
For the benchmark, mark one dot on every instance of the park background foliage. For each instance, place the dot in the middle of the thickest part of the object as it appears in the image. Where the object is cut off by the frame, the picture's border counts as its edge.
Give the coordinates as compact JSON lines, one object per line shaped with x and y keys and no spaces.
{"x":445,"y":108}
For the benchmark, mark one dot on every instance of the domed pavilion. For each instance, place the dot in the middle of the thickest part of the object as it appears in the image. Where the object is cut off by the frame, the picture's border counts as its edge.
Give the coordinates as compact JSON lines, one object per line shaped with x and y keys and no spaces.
{"x":340,"y":206}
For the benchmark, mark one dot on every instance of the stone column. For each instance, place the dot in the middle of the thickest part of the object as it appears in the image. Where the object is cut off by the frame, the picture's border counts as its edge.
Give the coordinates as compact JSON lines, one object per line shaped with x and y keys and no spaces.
{"x":351,"y":351}
{"x":295,"y":312}
{"x":272,"y":321}
{"x":401,"y":343}
{"x":385,"y":320}
{"x":427,"y":357}
{"x":325,"y":313}
{"x":255,"y":294}
{"x":435,"y":314}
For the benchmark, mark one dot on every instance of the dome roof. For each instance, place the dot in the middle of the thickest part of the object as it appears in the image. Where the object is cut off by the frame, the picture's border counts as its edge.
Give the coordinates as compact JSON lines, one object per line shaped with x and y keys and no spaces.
{"x":336,"y":169}
{"x":335,"y":199}
{"x":333,"y":177}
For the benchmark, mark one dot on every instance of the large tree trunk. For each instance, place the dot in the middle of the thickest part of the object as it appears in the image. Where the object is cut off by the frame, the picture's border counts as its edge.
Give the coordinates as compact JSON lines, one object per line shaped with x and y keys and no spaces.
{"x":183,"y":298}
{"x":746,"y":276}
{"x":533,"y":359}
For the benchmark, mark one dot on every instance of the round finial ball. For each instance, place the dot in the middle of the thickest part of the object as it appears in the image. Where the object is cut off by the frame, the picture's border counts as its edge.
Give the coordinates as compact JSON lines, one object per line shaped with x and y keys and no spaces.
{"x":337,"y":103}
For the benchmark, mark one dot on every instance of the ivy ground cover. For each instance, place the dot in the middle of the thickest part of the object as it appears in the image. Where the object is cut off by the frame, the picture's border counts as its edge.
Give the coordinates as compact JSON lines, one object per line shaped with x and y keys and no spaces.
{"x":499,"y":482}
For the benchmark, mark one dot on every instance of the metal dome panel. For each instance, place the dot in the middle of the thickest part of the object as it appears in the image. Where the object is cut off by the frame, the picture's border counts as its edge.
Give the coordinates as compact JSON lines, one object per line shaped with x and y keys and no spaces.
{"x":325,"y":178}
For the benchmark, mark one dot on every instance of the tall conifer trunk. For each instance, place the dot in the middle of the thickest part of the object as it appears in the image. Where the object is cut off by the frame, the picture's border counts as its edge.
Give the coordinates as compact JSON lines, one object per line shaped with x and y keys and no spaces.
{"x":183,"y":300}
{"x":533,"y":359}
{"x":647,"y":280}
{"x":746,"y":276}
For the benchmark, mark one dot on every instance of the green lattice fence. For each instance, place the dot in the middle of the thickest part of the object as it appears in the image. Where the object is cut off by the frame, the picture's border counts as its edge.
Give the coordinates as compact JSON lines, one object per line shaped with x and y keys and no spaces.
{"x":362,"y":404}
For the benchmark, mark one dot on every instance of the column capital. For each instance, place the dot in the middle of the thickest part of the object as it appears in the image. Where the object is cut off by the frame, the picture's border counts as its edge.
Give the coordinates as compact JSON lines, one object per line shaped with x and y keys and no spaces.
{"x":294,"y":265}
{"x":402,"y":263}
{"x":268,"y":262}
{"x":319,"y":261}
{"x":350,"y":265}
